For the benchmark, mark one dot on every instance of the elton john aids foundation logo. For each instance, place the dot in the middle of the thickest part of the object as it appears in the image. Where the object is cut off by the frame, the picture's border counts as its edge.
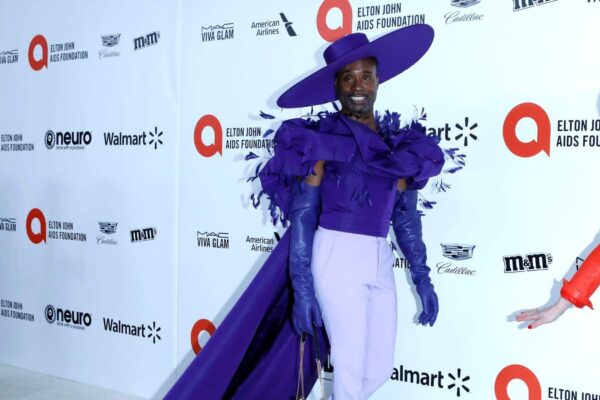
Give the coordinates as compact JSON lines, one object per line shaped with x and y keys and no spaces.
{"x":200,"y":133}
{"x":202,"y":325}
{"x":345,"y":28}
{"x":542,"y":140}
{"x":39,"y":235}
{"x":519,"y":372}
{"x":41,"y":62}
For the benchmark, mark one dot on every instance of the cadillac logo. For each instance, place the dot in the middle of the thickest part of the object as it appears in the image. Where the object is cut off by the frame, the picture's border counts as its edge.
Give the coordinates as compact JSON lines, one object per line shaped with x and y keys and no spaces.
{"x":108,"y":227}
{"x":458,"y":251}
{"x":465,"y":3}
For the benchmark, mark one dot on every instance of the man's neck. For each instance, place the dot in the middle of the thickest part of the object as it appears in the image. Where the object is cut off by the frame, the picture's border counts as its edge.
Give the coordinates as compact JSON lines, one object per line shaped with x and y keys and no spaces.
{"x":366,"y":119}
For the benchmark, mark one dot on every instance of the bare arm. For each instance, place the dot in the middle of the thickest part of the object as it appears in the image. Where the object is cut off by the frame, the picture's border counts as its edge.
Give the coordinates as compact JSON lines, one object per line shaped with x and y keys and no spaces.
{"x":401,"y":186}
{"x":315,"y":180}
{"x":546,"y":315}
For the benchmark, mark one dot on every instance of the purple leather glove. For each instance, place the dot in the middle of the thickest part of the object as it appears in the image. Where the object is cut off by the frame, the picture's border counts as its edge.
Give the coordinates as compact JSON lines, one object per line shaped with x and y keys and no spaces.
{"x":303,"y":215}
{"x":409,"y":236}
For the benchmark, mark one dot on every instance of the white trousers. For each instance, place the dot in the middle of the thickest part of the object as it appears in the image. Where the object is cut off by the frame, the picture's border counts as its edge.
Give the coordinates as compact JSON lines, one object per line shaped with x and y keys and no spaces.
{"x":354,"y":283}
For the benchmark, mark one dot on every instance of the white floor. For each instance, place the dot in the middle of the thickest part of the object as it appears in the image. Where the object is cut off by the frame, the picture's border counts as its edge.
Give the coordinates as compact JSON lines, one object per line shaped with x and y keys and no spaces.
{"x":20,"y":384}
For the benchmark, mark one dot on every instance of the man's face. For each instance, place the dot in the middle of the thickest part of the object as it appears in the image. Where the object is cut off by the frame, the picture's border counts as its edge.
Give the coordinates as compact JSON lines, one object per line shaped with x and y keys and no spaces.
{"x":356,"y":87}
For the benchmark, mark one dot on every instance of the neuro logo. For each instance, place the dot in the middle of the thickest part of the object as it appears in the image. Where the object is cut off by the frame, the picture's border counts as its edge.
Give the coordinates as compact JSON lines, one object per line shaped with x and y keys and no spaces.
{"x":36,"y":237}
{"x":155,"y":137}
{"x":38,"y":63}
{"x":539,"y":116}
{"x":288,"y":25}
{"x":49,"y":140}
{"x":153,"y":332}
{"x":458,"y":382}
{"x":50,"y":313}
{"x":327,"y":33}
{"x":67,"y":318}
{"x":458,"y":252}
{"x":465,"y":3}
{"x":67,"y":139}
{"x":466,"y":131}
{"x":522,"y":373}
{"x":202,"y":325}
{"x":208,"y":150}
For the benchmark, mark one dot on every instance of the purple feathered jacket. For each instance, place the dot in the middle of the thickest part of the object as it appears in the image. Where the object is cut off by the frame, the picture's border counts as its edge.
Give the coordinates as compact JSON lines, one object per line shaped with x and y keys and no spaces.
{"x":254,"y":352}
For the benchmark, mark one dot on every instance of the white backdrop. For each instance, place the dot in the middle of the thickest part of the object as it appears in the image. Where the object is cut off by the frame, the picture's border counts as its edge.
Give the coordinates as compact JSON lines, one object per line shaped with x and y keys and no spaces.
{"x":487,"y":58}
{"x":133,"y":186}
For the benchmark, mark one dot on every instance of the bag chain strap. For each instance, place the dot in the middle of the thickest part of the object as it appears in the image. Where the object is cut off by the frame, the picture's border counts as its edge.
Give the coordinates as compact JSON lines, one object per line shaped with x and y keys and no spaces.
{"x":319,"y":366}
{"x":300,"y":387}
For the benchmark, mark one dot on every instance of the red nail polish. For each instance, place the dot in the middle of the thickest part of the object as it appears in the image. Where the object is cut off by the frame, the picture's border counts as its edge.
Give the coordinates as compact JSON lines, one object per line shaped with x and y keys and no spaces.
{"x":529,"y":327}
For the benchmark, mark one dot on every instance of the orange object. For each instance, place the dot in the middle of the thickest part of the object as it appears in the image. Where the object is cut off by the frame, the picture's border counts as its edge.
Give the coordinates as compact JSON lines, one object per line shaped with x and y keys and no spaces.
{"x":585,"y":281}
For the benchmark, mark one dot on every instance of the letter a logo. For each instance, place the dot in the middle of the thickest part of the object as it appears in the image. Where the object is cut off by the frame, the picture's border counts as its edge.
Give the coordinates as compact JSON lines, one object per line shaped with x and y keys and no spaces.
{"x":40,"y":236}
{"x":529,"y":149}
{"x":211,"y":149}
{"x":38,"y":64}
{"x":522,"y":373}
{"x":202,"y":325}
{"x":344,"y":29}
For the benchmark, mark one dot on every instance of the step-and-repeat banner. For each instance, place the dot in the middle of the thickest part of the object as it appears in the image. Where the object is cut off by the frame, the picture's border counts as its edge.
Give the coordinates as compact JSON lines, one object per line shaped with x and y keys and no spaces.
{"x":89,"y":130}
{"x":129,"y":133}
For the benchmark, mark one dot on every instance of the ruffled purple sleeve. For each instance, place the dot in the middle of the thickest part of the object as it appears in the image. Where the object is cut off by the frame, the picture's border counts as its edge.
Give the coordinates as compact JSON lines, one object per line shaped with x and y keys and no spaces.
{"x":298,"y":145}
{"x":420,"y":151}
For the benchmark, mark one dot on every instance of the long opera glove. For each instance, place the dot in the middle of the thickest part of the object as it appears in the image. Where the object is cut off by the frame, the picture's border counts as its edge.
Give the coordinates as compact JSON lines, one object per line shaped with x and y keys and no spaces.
{"x":304,"y":215}
{"x":407,"y":226}
{"x":585,"y":281}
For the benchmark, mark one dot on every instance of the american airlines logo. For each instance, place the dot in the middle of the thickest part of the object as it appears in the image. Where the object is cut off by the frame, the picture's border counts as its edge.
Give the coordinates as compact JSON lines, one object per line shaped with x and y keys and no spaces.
{"x":527,"y":262}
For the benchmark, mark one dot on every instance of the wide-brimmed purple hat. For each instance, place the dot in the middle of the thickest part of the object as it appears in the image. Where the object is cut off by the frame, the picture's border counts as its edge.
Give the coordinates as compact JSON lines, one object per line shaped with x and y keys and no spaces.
{"x":395,"y":52}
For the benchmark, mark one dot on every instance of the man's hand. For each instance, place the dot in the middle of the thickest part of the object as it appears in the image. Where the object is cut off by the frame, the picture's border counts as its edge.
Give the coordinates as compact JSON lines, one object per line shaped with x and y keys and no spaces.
{"x":306,"y":315}
{"x":429,"y":301}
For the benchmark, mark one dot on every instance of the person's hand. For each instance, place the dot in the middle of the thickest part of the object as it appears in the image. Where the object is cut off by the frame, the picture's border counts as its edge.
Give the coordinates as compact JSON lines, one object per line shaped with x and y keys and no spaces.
{"x":306,"y":314}
{"x":541,"y":316}
{"x":429,"y":301}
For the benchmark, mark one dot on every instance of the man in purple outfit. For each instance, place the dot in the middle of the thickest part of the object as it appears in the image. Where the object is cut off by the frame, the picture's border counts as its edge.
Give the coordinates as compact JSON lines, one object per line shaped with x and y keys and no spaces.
{"x":339,"y":181}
